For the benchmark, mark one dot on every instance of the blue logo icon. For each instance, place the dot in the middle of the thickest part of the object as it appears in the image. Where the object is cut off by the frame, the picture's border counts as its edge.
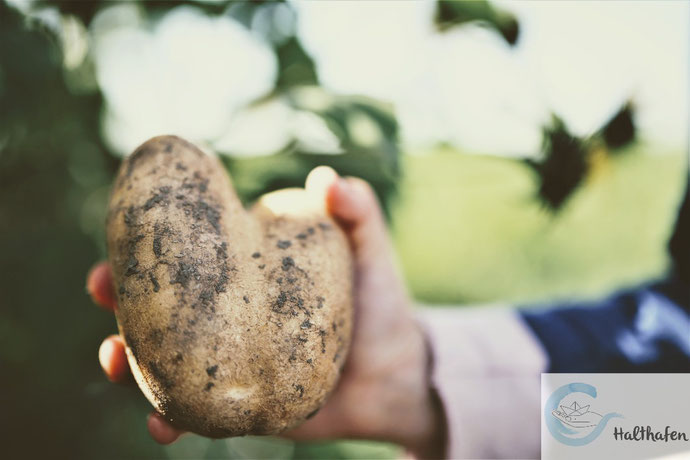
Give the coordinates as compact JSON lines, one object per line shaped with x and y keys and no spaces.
{"x":570,"y":422}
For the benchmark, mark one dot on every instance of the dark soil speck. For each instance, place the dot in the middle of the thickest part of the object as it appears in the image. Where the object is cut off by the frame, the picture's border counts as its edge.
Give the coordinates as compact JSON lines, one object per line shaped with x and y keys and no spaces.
{"x":280,"y":301}
{"x":132,"y":264}
{"x":157,"y":245}
{"x":223,"y":278}
{"x":288,"y":262}
{"x":154,"y":281}
{"x":185,"y":272}
{"x":157,"y":198}
{"x":202,"y":210}
{"x":222,"y":251}
{"x":211,"y":371}
{"x":129,"y":216}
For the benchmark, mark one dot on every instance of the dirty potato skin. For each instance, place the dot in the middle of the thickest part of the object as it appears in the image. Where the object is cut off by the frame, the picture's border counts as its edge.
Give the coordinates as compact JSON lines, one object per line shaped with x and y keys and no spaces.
{"x":235,"y":322}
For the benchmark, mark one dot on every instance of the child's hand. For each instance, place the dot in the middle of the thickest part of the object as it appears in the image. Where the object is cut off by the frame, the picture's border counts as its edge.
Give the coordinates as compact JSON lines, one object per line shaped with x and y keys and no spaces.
{"x":384,"y":391}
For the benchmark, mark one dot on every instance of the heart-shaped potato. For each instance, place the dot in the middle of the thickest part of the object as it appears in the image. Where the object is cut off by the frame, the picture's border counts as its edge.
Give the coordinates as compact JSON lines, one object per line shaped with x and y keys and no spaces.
{"x":235,"y":322}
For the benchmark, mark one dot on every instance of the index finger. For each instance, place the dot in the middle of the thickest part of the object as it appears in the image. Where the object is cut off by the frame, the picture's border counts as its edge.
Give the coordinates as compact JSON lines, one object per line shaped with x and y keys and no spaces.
{"x":99,"y":284}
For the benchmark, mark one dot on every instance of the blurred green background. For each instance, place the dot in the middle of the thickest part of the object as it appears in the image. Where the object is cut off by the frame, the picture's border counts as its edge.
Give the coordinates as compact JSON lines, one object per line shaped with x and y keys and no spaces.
{"x":468,"y":227}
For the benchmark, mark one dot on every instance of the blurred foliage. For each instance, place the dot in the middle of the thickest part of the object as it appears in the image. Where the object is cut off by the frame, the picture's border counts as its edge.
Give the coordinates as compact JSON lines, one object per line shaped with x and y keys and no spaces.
{"x":563,"y":166}
{"x":468,"y":230}
{"x":276,"y":22}
{"x":620,"y":129}
{"x":375,"y":161}
{"x":367,"y":134}
{"x":86,"y":10}
{"x":567,"y":159}
{"x":451,"y":13}
{"x":54,"y":174}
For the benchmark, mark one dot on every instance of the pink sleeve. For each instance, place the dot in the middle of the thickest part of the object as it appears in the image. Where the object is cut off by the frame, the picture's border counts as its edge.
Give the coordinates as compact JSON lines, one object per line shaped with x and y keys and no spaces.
{"x":487,"y":367}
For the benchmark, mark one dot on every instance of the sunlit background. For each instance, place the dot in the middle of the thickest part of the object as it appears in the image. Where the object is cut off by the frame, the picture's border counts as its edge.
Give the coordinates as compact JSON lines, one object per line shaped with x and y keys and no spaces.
{"x":523,"y":151}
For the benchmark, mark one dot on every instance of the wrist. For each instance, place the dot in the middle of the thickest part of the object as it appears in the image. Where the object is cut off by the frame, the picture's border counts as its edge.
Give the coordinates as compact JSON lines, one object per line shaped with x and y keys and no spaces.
{"x":427,"y":436}
{"x":409,"y":410}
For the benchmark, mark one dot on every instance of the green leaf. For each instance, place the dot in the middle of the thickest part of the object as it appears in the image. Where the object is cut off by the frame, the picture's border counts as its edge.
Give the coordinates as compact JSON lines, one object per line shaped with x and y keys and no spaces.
{"x":456,"y":13}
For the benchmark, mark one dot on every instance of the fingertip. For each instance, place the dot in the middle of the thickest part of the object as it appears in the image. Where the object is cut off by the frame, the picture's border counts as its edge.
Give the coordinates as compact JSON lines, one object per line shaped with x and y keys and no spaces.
{"x":338,"y":200}
{"x":113,"y":359}
{"x":348,"y":200}
{"x":161,"y":431}
{"x":99,"y":284}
